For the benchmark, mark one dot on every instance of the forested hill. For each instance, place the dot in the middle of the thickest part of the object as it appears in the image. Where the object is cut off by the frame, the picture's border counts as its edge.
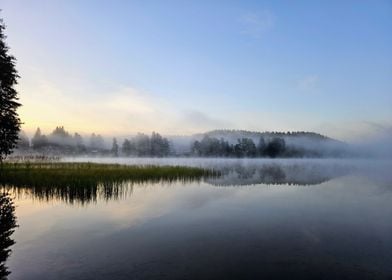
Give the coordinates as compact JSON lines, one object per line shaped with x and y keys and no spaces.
{"x":272,"y":144}
{"x":217,"y":143}
{"x":234,"y":135}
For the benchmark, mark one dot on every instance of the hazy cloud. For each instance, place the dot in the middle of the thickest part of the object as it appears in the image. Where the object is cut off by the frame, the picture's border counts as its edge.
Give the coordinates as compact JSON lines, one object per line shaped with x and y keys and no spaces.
{"x":131,"y":100}
{"x":257,"y":24}
{"x":375,"y":139}
{"x":198,"y":121}
{"x":308,"y":83}
{"x":120,"y":110}
{"x":357,"y":131}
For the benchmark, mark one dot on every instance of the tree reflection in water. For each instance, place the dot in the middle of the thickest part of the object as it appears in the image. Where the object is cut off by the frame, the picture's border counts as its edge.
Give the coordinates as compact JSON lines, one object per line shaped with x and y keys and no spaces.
{"x":83,"y":194}
{"x":7,"y":226}
{"x":92,"y":190}
{"x":276,"y":174}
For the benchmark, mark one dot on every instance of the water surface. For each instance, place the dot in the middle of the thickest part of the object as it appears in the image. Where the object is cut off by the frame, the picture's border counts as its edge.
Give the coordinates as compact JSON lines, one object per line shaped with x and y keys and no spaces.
{"x":274,"y":219}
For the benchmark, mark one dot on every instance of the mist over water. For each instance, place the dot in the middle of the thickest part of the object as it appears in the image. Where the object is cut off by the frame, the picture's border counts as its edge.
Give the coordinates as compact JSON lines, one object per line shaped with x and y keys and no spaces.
{"x":302,"y":170}
{"x":195,"y":140}
{"x":277,"y":219}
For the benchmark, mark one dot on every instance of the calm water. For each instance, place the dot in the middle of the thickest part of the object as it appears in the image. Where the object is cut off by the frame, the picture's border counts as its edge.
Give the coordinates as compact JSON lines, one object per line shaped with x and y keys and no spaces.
{"x":282,"y":219}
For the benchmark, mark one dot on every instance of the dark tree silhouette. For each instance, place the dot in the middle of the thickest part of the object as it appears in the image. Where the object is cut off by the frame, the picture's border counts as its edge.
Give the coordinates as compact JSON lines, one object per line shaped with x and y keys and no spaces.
{"x":23,"y":143}
{"x":78,"y":142}
{"x":9,"y":119}
{"x":142,"y":144}
{"x":128,"y":148}
{"x":115,"y":147}
{"x":59,"y":131}
{"x":96,"y":142}
{"x":245,"y":148}
{"x":208,"y":146}
{"x":261,"y":146}
{"x":275,"y":147}
{"x":159,"y":145}
{"x":39,"y":140}
{"x":7,"y":225}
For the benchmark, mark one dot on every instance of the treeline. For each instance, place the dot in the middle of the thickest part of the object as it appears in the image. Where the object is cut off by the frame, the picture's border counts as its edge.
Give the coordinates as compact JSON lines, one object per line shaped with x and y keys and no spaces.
{"x":59,"y":141}
{"x":232,"y":144}
{"x":62,"y":142}
{"x":245,"y":147}
{"x":227,"y":133}
{"x":143,"y":145}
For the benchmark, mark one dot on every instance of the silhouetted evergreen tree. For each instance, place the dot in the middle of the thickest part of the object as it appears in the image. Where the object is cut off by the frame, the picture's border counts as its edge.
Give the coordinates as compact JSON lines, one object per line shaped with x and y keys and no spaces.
{"x":23,"y":143}
{"x":142,"y":145}
{"x":196,"y":148}
{"x":96,"y":142}
{"x":9,"y":119}
{"x":275,"y":147}
{"x":261,"y":147}
{"x":61,"y":140}
{"x":114,"y":148}
{"x":245,"y":148}
{"x":159,"y":145}
{"x":7,"y":225}
{"x":39,"y":140}
{"x":225,"y":149}
{"x":210,"y":146}
{"x":128,"y":148}
{"x":79,"y":144}
{"x":59,"y":131}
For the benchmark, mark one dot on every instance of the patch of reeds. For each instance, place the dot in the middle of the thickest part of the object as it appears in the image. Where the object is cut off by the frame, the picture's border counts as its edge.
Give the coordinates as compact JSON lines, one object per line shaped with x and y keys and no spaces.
{"x":86,"y":182}
{"x":91,"y":174}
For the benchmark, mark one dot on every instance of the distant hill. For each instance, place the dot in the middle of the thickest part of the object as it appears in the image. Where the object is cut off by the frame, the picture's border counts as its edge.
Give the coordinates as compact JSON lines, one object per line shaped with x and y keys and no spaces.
{"x":234,"y":135}
{"x":308,"y":143}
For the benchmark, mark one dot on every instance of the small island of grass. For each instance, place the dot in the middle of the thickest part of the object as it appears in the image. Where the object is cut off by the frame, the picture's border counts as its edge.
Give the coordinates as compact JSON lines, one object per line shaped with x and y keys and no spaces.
{"x":91,"y":174}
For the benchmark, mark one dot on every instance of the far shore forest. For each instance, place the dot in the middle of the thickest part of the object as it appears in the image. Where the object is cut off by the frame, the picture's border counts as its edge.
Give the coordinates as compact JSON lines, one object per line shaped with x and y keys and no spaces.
{"x":62,"y":143}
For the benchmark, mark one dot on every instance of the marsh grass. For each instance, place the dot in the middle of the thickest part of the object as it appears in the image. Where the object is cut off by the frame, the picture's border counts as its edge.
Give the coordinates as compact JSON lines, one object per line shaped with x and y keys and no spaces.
{"x":86,"y":182}
{"x":92,"y":174}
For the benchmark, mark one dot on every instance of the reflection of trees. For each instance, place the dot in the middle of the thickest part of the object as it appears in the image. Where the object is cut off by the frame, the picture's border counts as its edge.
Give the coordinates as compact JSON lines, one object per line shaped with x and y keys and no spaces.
{"x":76,"y":194}
{"x":292,"y":174}
{"x":87,"y":193}
{"x":87,"y":190}
{"x":272,"y":174}
{"x":85,"y":183}
{"x":245,"y":172}
{"x":7,"y":225}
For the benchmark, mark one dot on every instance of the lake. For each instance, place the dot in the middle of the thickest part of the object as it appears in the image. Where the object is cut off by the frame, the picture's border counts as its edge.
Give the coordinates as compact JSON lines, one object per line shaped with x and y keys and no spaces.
{"x":261,"y":219}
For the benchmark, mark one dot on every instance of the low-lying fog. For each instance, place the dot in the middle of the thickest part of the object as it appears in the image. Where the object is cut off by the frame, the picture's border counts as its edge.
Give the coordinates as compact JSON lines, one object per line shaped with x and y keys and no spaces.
{"x":267,"y":171}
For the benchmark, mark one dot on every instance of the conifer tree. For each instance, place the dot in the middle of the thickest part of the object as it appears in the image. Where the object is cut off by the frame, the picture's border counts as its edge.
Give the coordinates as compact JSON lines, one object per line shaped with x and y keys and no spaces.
{"x":9,"y":119}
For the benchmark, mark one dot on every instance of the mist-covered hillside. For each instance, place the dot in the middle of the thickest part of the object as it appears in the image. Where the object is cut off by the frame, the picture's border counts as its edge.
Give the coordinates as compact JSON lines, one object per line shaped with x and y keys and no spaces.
{"x":217,"y":143}
{"x":295,"y":144}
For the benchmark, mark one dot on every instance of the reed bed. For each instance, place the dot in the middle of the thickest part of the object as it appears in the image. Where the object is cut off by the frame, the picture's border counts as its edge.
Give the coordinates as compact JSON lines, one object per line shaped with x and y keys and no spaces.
{"x":48,"y":174}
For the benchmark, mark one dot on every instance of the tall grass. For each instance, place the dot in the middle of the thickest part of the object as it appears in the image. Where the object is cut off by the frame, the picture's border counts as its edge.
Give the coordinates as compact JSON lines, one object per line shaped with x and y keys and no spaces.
{"x":91,"y":174}
{"x":84,"y":182}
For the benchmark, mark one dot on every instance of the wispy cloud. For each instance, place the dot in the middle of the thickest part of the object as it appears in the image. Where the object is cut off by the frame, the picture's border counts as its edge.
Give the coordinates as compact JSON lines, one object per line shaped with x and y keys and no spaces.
{"x":130,"y":100}
{"x":308,"y":83}
{"x":356,"y":131}
{"x":256,"y":24}
{"x":368,"y":137}
{"x":121,"y":110}
{"x":117,"y":110}
{"x":198,"y":121}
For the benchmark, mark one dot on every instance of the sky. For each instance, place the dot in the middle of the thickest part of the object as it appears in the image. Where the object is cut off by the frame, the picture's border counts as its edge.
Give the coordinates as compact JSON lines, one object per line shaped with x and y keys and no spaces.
{"x":183,"y":67}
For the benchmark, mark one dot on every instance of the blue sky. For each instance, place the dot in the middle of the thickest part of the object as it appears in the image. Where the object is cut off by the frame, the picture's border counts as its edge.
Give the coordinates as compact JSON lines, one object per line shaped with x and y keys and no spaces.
{"x":180,"y":67}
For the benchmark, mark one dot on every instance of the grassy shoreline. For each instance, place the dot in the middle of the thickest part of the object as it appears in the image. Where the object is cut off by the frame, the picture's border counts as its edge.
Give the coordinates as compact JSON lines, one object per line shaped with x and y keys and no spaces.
{"x":47,"y":174}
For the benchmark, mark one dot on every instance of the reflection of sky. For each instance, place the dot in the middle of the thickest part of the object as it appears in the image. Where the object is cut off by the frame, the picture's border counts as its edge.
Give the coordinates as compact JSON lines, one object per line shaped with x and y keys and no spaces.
{"x":157,"y":66}
{"x":163,"y":221}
